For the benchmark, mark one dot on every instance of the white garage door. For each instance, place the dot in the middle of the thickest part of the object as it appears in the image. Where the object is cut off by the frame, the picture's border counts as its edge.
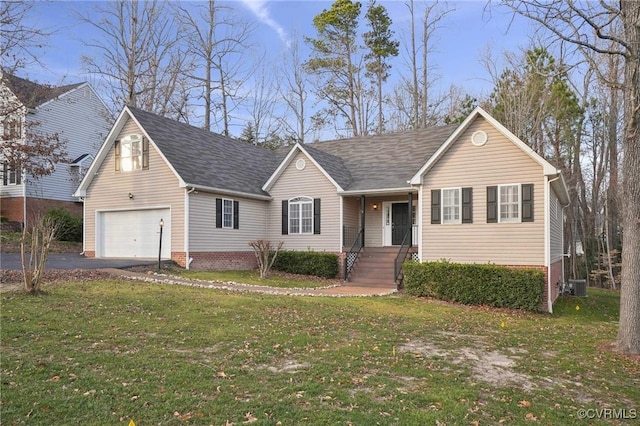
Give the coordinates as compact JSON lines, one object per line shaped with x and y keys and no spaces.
{"x":135,"y":234}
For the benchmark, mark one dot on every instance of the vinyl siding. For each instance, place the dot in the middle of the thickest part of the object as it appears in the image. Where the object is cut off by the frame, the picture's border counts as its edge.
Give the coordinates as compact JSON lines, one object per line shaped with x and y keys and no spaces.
{"x":155,"y":187}
{"x":81,"y":120}
{"x":203,"y":234}
{"x":555,"y":221}
{"x":309,"y":182}
{"x":351,"y":216}
{"x":499,"y":161}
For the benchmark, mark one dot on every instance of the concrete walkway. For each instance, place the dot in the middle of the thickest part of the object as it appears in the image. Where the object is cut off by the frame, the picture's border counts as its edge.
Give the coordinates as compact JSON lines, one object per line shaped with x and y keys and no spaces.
{"x":334,"y":291}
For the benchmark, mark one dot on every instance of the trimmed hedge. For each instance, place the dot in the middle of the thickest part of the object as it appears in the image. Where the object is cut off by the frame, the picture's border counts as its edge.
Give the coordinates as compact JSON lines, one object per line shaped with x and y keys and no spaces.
{"x":475,"y":284}
{"x":70,"y":224}
{"x":307,"y":263}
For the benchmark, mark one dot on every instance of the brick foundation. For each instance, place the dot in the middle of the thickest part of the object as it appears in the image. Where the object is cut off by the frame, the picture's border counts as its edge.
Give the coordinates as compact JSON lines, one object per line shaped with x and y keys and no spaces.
{"x":12,"y":208}
{"x":223,"y":261}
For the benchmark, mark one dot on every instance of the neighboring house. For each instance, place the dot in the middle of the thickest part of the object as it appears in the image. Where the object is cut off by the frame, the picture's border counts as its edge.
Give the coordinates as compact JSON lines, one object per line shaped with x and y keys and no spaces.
{"x":76,"y":114}
{"x":467,"y":193}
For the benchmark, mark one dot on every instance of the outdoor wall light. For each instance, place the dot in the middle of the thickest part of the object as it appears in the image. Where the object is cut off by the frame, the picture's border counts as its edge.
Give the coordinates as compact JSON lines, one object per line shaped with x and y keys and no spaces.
{"x":130,"y":196}
{"x":374,"y":206}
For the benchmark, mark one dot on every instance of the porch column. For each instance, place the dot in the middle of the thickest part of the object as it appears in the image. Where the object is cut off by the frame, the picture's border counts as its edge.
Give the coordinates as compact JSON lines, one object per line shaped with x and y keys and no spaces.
{"x":362,"y":214}
{"x":410,"y":219}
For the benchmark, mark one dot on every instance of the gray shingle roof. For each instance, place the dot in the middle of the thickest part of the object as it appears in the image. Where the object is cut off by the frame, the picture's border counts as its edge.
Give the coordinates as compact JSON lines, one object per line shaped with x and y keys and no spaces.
{"x":33,"y":94}
{"x":379,"y":162}
{"x":209,"y":159}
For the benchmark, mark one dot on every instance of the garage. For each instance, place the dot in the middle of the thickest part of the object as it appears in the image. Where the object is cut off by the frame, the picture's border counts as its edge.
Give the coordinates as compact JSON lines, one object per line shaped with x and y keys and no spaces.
{"x":134,"y":233}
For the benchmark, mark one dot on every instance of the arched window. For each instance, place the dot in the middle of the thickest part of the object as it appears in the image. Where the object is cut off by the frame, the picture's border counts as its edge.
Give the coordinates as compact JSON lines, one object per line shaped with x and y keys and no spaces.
{"x":301,"y":215}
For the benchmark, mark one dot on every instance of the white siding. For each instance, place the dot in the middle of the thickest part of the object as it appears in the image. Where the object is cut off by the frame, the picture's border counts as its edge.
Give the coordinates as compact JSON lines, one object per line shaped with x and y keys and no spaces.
{"x":81,"y":120}
{"x":555,"y":221}
{"x":203,"y":234}
{"x":466,"y":165}
{"x":309,"y":182}
{"x":157,"y":187}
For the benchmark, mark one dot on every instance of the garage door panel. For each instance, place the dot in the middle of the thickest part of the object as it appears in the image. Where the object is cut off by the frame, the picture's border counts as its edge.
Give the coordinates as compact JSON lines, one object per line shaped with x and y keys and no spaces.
{"x":135,"y":233}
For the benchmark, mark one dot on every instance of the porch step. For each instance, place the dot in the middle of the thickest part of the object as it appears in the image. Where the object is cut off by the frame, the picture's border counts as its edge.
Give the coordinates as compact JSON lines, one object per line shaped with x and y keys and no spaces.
{"x":375,"y":268}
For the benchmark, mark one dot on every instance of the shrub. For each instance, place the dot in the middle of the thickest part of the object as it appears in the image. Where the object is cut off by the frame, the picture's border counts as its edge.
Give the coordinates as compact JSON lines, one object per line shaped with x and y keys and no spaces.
{"x":476,"y":284}
{"x":307,"y":263}
{"x":69,"y":225}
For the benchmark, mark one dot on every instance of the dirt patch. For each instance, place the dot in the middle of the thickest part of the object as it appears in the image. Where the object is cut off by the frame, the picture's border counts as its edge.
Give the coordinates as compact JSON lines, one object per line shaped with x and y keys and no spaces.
{"x":490,"y":366}
{"x":287,"y":366}
{"x":12,"y":280}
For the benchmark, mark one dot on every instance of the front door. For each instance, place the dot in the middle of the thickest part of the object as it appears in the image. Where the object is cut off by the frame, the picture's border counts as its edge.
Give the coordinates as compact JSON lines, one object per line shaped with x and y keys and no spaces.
{"x":399,"y":222}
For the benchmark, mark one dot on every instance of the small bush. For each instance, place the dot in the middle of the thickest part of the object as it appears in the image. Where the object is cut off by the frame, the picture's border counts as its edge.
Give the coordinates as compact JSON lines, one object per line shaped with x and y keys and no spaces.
{"x":475,"y":284}
{"x":307,"y":263}
{"x":70,"y":225}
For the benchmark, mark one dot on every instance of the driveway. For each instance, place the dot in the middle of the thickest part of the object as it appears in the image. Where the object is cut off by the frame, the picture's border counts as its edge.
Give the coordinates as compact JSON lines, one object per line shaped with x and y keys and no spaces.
{"x":11,"y":262}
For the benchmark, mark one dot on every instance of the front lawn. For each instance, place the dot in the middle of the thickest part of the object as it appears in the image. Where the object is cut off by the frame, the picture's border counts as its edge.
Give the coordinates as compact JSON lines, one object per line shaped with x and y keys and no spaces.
{"x":106,"y":352}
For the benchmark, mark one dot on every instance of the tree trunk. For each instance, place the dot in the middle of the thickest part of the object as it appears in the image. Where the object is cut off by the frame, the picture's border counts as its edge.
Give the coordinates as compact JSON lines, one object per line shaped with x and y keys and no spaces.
{"x":629,"y":329}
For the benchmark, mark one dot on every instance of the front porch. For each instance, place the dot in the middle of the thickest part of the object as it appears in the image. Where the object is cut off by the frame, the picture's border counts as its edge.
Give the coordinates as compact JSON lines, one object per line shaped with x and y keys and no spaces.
{"x":379,"y":233}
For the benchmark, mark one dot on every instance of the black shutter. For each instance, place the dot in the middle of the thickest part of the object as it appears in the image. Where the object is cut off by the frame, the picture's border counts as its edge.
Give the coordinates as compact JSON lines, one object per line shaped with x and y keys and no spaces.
{"x":5,"y":174}
{"x":435,"y":206}
{"x":18,"y":173}
{"x":527,"y":202}
{"x":316,"y":215}
{"x":492,"y":204}
{"x":116,"y":148}
{"x":218,"y":212}
{"x":467,"y":205}
{"x":236,"y":215}
{"x":145,"y":153}
{"x":285,"y":217}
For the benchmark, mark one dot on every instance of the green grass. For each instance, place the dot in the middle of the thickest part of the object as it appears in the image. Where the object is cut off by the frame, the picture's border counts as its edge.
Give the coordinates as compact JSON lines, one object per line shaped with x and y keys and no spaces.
{"x":110,"y":351}
{"x":275,"y":279}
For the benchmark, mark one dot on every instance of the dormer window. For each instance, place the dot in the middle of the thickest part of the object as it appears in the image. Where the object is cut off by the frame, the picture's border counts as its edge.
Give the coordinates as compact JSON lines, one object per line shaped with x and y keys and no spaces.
{"x":132,"y":153}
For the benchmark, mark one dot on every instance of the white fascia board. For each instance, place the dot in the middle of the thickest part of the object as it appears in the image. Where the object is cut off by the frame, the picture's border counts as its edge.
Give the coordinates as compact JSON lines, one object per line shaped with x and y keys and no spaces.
{"x":226,"y":191}
{"x":283,"y":164}
{"x":560,"y":188}
{"x":62,"y":95}
{"x":297,"y":147}
{"x":378,"y":191}
{"x":548,"y":169}
{"x":106,"y":146}
{"x":102,"y":153}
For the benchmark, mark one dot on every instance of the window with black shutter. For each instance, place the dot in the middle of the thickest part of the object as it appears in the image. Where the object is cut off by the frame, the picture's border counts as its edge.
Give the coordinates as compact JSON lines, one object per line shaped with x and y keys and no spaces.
{"x":467,"y":205}
{"x":435,"y":206}
{"x":492,"y":204}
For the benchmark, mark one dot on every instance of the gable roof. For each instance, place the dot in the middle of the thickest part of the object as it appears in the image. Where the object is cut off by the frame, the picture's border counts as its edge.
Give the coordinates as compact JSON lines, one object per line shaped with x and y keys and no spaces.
{"x":548,"y":169}
{"x":381,"y":162}
{"x":33,"y":95}
{"x":199,"y":158}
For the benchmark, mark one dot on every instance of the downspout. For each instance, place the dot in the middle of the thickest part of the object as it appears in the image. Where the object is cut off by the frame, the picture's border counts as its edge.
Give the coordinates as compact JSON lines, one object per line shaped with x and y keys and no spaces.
{"x":24,"y":202}
{"x":187,"y":259}
{"x":547,"y":242}
{"x":341,"y":242}
{"x":419,"y":220}
{"x":362,"y":216}
{"x":547,"y":238}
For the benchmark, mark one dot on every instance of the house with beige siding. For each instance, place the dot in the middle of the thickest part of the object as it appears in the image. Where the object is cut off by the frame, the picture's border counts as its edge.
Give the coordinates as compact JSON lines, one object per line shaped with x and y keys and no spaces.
{"x":470,"y":193}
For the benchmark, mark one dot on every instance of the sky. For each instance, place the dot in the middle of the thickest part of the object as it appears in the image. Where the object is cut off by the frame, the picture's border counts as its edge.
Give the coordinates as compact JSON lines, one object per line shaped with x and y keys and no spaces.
{"x":465,"y":34}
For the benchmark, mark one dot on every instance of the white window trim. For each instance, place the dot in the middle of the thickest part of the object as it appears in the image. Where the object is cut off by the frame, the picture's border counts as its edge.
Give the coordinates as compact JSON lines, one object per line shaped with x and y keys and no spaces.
{"x":451,"y":222}
{"x":499,"y":196}
{"x":224,"y":201}
{"x":300,"y":201}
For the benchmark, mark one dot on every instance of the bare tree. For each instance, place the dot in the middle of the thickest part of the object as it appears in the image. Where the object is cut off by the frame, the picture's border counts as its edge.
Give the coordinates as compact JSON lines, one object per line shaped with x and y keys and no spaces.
{"x":588,"y":24}
{"x":140,"y":60}
{"x":293,"y":90}
{"x":19,"y":42}
{"x":218,"y":41}
{"x":419,"y":84}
